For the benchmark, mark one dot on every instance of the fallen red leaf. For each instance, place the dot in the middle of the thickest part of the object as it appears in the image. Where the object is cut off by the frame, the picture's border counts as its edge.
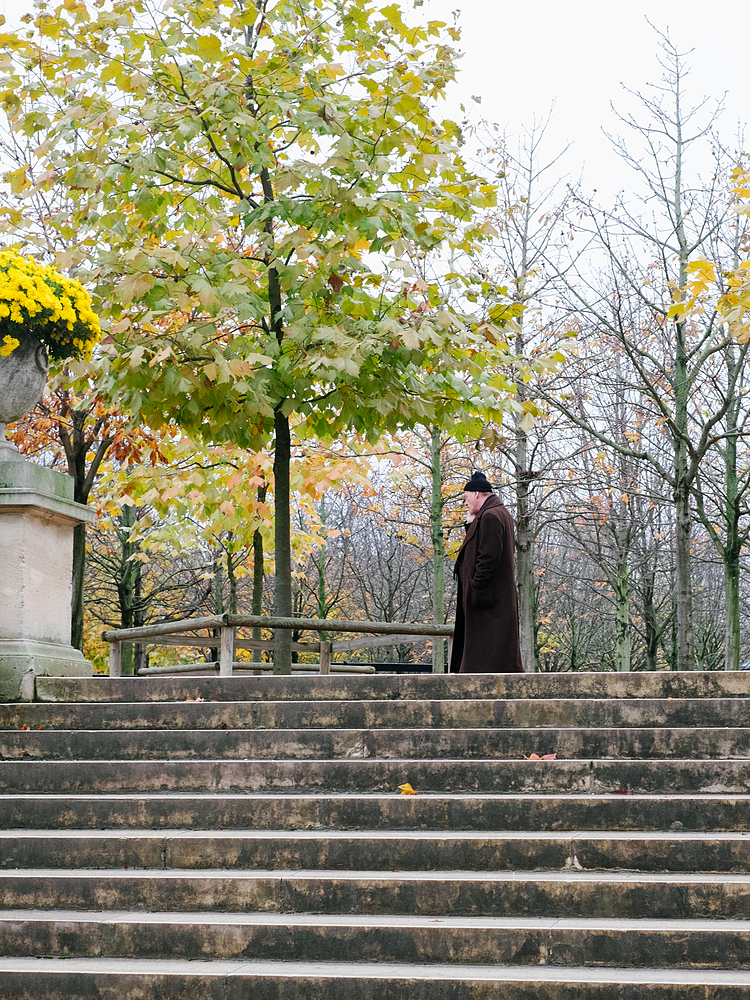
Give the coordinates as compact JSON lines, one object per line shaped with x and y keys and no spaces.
{"x":546,"y":756}
{"x":623,"y":791}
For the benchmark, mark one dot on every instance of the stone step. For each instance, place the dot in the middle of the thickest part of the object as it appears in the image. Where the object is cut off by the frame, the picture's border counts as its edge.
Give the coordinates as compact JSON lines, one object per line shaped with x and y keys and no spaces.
{"x":334,"y":850}
{"x":373,"y":776}
{"x":583,"y":713}
{"x":138,"y":979}
{"x":658,"y":684}
{"x":262,"y":826}
{"x":291,"y":811}
{"x":558,"y":941}
{"x":471,"y":894}
{"x":384,"y":744}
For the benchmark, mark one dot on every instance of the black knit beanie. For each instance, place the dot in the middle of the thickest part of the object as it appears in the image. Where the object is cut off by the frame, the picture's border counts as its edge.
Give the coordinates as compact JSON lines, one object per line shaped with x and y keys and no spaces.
{"x":478,"y":483}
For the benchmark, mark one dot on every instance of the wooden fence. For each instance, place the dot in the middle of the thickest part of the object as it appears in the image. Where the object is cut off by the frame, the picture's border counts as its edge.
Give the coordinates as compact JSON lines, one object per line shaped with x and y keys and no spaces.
{"x":173,"y":634}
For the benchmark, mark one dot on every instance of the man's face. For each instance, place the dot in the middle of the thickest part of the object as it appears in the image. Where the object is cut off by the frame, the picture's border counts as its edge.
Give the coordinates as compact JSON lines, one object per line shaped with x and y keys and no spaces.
{"x":474,"y":500}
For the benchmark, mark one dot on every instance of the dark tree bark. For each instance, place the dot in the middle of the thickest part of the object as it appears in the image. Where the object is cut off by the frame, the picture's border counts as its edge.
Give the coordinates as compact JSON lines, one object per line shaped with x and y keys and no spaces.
{"x":282,"y":658}
{"x":78,"y":443}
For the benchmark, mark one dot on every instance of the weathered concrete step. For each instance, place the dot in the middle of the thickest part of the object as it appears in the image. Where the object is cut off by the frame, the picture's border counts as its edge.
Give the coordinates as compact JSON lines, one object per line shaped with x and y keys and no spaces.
{"x":373,"y":776}
{"x":661,"y":684}
{"x":559,"y":941}
{"x":137,"y":979}
{"x":414,"y":850}
{"x":471,"y":894}
{"x":584,"y":713}
{"x":244,"y":811}
{"x":384,"y":744}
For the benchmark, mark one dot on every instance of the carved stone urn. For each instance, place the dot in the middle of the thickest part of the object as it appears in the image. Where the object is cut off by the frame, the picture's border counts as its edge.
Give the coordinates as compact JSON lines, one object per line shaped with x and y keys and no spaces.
{"x":23,"y":374}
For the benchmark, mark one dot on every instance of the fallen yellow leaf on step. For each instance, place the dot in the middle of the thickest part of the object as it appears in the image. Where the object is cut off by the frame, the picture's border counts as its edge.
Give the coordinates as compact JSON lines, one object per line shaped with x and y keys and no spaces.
{"x":407,"y":789}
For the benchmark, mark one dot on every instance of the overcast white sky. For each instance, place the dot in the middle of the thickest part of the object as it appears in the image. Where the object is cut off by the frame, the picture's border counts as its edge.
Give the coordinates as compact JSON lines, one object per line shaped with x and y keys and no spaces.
{"x":525,"y":55}
{"x":521,"y":57}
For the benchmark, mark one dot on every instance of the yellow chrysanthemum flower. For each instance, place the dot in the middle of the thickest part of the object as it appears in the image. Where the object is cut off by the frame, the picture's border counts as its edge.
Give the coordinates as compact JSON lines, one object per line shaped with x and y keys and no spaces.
{"x":9,"y":345}
{"x":39,"y":300}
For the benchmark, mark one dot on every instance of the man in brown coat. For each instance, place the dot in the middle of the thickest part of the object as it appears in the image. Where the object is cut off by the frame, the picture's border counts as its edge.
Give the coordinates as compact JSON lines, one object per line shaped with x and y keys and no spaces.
{"x":486,"y":637}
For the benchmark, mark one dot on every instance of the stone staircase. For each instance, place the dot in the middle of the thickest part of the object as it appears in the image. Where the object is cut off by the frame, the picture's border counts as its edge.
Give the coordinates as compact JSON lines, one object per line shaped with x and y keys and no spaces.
{"x":244,"y":837}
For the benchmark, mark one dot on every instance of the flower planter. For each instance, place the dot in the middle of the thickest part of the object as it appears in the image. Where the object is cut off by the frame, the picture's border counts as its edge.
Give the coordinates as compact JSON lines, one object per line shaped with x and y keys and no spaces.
{"x":23,"y":374}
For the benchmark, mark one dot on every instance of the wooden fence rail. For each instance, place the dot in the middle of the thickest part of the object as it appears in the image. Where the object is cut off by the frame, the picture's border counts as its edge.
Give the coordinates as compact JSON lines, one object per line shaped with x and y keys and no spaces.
{"x":227,"y":641}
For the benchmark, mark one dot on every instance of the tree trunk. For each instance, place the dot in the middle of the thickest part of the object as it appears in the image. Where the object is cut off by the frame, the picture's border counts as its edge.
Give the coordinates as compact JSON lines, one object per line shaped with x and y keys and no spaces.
{"x":732,"y":600}
{"x":126,"y":585}
{"x":684,"y":656}
{"x":685,"y":659}
{"x":282,"y":657}
{"x":525,"y":558}
{"x":139,"y":648}
{"x":622,"y":620}
{"x":683,"y":581}
{"x":322,"y":582}
{"x":732,"y":552}
{"x":649,"y":618}
{"x":218,"y":587}
{"x":258,"y":577}
{"x":732,"y":545}
{"x":524,"y":529}
{"x":75,"y":446}
{"x":438,"y":552}
{"x":232,"y":580}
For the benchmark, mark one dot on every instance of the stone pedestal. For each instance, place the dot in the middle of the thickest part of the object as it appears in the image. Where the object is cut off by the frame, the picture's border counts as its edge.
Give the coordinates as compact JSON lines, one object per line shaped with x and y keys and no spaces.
{"x":37,"y":518}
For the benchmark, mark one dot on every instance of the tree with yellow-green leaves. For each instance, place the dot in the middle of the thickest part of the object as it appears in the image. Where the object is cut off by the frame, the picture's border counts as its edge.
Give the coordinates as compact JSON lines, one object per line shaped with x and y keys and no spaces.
{"x":242,"y":185}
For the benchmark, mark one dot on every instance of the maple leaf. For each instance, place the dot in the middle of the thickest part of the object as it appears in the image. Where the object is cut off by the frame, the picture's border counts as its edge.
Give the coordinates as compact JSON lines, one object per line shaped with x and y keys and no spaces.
{"x":406,"y":789}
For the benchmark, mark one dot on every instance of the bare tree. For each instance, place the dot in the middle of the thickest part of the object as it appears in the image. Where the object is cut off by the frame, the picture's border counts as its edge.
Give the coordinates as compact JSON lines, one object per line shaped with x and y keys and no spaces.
{"x":647,"y":254}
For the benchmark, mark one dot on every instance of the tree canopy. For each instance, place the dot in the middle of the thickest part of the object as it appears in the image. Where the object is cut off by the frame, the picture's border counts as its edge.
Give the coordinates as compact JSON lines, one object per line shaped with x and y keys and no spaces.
{"x":243,"y":186}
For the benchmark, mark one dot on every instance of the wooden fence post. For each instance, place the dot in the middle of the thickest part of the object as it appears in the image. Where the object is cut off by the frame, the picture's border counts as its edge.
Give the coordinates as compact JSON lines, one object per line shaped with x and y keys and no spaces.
{"x":226,"y":658}
{"x":438,"y":666}
{"x":325,"y":657}
{"x":115,"y":659}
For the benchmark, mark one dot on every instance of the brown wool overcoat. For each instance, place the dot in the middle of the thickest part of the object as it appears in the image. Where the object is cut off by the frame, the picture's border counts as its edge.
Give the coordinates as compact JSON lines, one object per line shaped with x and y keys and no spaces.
{"x":486,"y":638}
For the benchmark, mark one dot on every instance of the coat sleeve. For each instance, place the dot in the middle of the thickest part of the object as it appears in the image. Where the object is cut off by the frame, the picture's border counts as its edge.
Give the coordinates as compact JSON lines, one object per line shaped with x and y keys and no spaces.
{"x":490,"y":544}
